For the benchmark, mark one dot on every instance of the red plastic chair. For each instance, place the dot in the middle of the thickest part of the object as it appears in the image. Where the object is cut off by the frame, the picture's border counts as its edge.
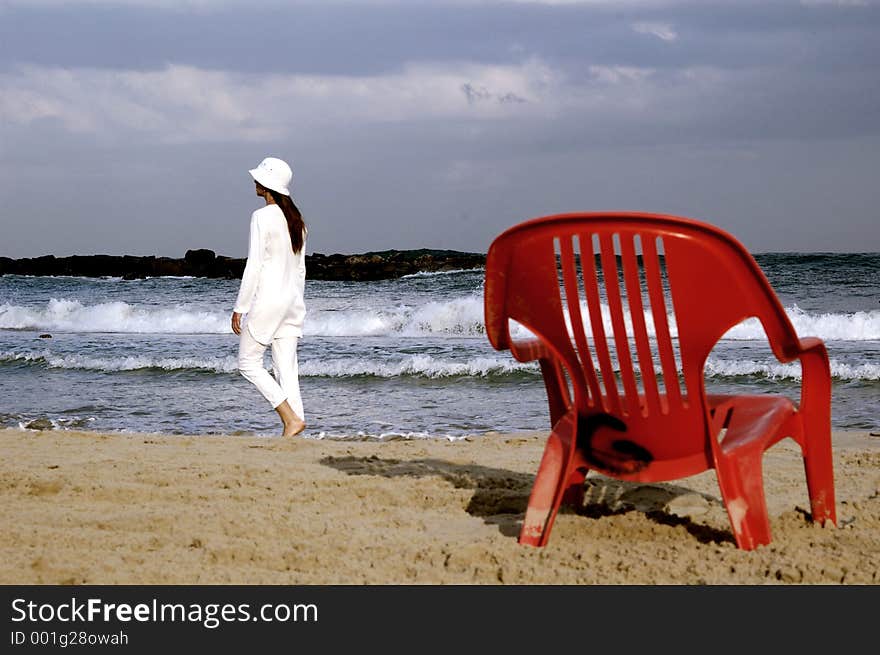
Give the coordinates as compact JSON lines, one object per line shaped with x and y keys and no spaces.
{"x":625,"y":421}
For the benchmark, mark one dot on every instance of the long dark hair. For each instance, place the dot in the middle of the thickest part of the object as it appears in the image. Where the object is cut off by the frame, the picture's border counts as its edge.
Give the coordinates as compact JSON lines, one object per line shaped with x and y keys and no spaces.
{"x":295,"y":224}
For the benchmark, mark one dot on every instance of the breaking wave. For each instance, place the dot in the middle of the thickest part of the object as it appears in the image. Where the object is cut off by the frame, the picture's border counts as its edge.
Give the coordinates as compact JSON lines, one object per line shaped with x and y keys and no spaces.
{"x":412,"y":365}
{"x":422,"y":366}
{"x":462,"y":316}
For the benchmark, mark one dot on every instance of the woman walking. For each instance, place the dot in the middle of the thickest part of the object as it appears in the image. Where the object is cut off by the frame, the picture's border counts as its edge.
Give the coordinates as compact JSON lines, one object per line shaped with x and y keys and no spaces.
{"x":271,"y":294}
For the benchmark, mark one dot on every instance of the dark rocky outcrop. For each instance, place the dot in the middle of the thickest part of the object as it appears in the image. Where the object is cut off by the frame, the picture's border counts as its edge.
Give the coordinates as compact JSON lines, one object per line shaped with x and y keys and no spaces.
{"x":389,"y":264}
{"x":382,"y":265}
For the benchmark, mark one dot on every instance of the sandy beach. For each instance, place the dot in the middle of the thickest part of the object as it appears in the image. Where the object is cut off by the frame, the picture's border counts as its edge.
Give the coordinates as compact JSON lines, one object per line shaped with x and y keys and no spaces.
{"x":92,"y":508}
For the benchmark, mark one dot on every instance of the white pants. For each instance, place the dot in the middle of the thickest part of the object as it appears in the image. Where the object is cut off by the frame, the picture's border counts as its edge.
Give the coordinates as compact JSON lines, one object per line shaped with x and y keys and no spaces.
{"x":285,"y":384}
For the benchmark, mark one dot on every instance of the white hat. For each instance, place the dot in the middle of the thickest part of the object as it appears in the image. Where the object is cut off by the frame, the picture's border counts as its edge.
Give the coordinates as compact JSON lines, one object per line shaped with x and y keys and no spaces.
{"x":273,"y":173}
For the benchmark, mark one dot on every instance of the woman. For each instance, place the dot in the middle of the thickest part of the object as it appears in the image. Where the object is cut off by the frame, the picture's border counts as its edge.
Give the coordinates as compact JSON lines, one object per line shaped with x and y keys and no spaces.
{"x":271,"y":294}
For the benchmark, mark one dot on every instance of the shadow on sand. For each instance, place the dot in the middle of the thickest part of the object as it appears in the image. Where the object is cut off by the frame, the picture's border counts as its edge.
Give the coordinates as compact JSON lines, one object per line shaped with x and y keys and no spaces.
{"x":501,"y":496}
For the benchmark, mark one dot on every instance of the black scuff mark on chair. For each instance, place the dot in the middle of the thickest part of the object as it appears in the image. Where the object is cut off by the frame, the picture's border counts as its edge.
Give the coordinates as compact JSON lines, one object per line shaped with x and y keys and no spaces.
{"x":624,"y":457}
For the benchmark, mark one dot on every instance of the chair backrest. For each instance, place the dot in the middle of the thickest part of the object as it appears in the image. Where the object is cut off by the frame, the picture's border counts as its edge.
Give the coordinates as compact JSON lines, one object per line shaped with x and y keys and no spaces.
{"x":652,"y":276}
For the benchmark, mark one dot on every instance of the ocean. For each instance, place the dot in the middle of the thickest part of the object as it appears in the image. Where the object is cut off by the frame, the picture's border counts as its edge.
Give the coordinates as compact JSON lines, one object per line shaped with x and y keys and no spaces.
{"x":402,"y":358}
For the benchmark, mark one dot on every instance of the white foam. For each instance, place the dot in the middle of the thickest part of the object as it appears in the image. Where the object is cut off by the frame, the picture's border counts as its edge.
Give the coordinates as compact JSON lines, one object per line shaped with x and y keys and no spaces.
{"x":354,"y":323}
{"x":461,"y":316}
{"x":72,"y":316}
{"x":440,"y":273}
{"x":776,"y":370}
{"x":456,"y":317}
{"x":360,"y":435}
{"x":66,"y":423}
{"x":415,"y":365}
{"x":411,"y":365}
{"x":128,"y":363}
{"x":424,"y":366}
{"x":857,"y":326}
{"x":107,"y":278}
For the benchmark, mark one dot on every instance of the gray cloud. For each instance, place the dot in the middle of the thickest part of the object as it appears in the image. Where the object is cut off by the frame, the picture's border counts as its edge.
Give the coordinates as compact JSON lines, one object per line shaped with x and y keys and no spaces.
{"x":430,"y":124}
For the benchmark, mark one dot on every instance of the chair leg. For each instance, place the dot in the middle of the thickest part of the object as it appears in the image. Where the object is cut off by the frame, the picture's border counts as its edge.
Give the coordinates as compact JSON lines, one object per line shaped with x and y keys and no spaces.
{"x":557,"y":393}
{"x":740,"y":477}
{"x":820,"y":474}
{"x":574,"y":488}
{"x":546,"y":493}
{"x":815,"y":412}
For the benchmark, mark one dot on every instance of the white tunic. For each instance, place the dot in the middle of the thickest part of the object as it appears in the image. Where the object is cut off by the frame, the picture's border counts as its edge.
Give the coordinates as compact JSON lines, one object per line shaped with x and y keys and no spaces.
{"x":271,"y":292}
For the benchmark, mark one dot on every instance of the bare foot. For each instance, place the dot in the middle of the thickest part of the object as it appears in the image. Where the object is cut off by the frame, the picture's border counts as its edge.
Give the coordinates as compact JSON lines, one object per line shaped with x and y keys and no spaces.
{"x":293,"y":428}
{"x":293,"y":424}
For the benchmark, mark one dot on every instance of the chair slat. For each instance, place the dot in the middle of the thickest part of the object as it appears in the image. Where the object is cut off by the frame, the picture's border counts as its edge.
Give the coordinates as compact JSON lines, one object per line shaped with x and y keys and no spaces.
{"x":591,"y":291}
{"x":569,"y":276}
{"x":640,"y":330}
{"x":661,"y":326}
{"x":615,"y":304}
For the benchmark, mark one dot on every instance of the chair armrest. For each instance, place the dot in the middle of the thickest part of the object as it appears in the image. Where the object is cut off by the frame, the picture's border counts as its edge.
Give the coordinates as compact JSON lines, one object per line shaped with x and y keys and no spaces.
{"x":790,"y":350}
{"x":815,"y":404}
{"x":558,"y":396}
{"x":528,"y":350}
{"x":816,"y":380}
{"x":811,"y":343}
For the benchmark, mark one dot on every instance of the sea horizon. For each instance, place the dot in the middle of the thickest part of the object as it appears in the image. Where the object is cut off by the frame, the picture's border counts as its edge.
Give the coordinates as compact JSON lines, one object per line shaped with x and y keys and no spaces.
{"x":385,"y":250}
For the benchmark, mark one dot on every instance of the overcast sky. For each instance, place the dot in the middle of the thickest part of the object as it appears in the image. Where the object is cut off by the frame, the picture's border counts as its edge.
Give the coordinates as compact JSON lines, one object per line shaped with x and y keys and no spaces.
{"x":128,"y":126}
